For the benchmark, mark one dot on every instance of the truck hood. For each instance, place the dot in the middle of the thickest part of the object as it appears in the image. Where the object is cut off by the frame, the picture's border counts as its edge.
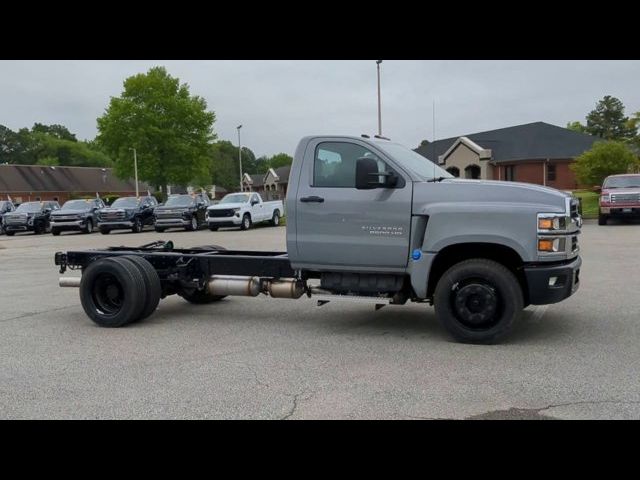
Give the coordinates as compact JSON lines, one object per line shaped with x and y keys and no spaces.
{"x":225,"y":206}
{"x":624,"y":191}
{"x":487,"y":192}
{"x":166,"y":208}
{"x":69,"y":212}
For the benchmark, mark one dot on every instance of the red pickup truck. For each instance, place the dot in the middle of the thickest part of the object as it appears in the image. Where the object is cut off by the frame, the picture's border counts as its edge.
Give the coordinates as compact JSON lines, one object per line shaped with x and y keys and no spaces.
{"x":620,"y":197}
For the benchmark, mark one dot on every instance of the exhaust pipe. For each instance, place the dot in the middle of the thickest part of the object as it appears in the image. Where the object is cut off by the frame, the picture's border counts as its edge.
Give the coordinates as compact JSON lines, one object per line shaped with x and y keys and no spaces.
{"x":69,"y":282}
{"x":234,"y":285}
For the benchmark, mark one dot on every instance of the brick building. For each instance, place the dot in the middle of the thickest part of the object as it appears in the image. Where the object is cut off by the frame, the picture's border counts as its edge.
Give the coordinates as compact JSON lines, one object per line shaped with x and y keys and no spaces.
{"x":26,"y":183}
{"x":534,"y":153}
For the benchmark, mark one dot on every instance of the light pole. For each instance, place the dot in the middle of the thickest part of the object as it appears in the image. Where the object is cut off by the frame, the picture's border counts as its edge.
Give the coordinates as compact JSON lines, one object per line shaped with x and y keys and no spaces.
{"x":135,"y":169}
{"x":240,"y":156}
{"x":378,"y":62}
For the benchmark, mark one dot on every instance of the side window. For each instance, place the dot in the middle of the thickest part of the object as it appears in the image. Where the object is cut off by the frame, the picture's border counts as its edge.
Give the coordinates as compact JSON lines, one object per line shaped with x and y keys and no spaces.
{"x":254,"y":198}
{"x":335,"y":164}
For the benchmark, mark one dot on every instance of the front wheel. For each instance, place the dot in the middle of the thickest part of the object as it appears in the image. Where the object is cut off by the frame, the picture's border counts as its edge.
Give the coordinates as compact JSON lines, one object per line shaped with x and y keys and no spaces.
{"x":478,"y":301}
{"x":212,"y":228}
{"x":105,"y":231}
{"x":55,"y":232}
{"x":246,"y":222}
{"x":193,"y":226}
{"x":88,"y":228}
{"x":602,"y":219}
{"x":137,"y":226}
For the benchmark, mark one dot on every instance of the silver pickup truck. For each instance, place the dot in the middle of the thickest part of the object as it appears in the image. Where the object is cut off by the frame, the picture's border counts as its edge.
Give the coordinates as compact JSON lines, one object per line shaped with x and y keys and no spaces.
{"x":369,"y":221}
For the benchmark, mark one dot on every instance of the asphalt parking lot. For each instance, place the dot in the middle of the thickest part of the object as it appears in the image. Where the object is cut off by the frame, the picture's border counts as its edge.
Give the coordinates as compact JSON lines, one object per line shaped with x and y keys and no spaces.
{"x":260,"y":358}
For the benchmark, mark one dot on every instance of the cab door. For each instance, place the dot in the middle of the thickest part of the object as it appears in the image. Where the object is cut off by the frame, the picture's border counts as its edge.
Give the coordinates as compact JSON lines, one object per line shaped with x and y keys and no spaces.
{"x":341,"y":227}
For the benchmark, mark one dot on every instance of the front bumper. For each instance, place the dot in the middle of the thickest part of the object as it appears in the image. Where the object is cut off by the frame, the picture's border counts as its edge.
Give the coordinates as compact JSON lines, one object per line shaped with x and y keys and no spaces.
{"x":18,"y":228}
{"x":543,"y":289}
{"x":116,"y":225}
{"x":172,"y":222}
{"x":224,"y":221}
{"x":621,"y":211}
{"x":68,"y":225}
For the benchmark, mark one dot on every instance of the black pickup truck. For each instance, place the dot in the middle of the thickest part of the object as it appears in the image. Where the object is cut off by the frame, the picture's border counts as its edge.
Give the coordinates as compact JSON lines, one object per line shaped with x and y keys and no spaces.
{"x":6,"y":206}
{"x":182,"y":211}
{"x":30,"y":217}
{"x":127,"y":213}
{"x":79,"y":215}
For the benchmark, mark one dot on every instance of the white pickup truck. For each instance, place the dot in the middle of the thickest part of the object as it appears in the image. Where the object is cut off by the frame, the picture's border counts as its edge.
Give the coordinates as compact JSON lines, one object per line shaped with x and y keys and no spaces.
{"x":243,"y":210}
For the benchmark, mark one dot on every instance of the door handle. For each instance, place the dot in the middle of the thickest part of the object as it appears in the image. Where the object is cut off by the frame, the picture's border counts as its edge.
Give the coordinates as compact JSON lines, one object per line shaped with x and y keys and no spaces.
{"x":312,"y":199}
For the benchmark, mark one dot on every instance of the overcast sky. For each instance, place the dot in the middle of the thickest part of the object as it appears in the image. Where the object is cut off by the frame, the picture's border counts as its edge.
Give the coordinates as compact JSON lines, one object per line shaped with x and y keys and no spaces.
{"x":278,"y":102}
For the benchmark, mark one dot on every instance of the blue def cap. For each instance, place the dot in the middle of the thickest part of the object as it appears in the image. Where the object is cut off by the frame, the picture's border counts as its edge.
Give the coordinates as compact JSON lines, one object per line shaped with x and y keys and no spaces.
{"x":416,"y":254}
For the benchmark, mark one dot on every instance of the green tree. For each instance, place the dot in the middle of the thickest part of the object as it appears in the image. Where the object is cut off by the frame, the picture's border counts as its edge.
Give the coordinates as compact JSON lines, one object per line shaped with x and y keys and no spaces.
{"x":58,"y":131}
{"x":224,"y":167}
{"x":604,"y":159}
{"x":577,"y":127}
{"x":608,"y":121}
{"x":170,"y":129}
{"x":278,"y":160}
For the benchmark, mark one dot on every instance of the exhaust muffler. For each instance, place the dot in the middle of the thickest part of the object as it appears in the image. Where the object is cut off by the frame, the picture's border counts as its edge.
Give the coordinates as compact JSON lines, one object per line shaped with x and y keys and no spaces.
{"x":234,"y":285}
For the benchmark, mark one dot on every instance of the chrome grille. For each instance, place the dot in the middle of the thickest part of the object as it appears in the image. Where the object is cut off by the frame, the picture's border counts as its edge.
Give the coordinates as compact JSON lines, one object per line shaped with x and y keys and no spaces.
{"x":15,"y":219}
{"x":168,"y":213}
{"x":65,"y":218}
{"x":108,"y":216}
{"x":625,"y":197}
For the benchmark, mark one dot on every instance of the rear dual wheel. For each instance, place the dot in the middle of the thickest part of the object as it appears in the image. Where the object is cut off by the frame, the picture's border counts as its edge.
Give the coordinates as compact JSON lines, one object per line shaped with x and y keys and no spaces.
{"x":115,"y":291}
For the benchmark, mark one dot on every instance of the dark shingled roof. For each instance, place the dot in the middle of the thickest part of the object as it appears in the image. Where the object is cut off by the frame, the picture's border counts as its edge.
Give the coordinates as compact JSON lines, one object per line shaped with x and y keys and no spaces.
{"x":40,"y":178}
{"x":283,"y":173}
{"x":538,"y":140}
{"x":258,"y":179}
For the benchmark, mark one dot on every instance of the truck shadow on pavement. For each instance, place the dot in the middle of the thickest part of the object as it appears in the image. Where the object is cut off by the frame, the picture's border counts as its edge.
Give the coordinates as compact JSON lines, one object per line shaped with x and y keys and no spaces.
{"x":397,"y":322}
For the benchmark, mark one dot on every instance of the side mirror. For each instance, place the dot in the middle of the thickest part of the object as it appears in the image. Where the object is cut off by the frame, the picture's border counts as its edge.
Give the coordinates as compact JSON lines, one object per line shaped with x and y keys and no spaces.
{"x":254,"y":202}
{"x":367,"y":175}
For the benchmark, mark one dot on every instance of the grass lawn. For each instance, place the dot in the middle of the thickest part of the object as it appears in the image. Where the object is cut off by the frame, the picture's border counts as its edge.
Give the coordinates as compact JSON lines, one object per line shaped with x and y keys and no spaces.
{"x":589,"y":201}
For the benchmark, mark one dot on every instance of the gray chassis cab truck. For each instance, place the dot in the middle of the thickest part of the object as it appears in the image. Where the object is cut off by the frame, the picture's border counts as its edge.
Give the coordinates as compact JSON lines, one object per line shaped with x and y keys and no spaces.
{"x":369,"y":221}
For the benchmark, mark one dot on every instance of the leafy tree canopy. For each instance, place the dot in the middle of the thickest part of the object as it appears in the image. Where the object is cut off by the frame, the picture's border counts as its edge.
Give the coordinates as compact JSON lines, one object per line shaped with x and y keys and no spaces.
{"x":170,"y":129}
{"x":608,"y":121}
{"x":604,"y":159}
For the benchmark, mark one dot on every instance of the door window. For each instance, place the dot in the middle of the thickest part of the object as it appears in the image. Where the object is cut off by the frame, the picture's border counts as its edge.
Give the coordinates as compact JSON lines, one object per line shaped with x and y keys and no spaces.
{"x":335,"y":164}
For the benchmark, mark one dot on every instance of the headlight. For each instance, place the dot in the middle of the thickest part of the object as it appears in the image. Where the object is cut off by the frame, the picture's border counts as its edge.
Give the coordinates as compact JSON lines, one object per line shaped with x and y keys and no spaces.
{"x":236,"y":210}
{"x":606,"y":198}
{"x":552,"y":222}
{"x":551,"y":245}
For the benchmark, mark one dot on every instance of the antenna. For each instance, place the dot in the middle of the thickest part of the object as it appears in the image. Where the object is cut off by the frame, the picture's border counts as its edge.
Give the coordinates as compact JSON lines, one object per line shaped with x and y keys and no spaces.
{"x":434,"y":139}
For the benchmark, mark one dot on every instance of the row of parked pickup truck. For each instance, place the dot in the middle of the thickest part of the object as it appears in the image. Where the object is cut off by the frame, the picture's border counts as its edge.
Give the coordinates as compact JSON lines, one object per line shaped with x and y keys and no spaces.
{"x":189,"y":212}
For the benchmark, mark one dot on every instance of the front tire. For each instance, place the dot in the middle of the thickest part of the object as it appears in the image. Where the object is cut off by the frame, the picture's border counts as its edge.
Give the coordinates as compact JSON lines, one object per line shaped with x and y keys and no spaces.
{"x":602,"y":219}
{"x":88,"y":228}
{"x":246,"y":222}
{"x":10,"y":234}
{"x":193,"y":226}
{"x":159,"y":229}
{"x":55,"y":232}
{"x":105,"y":231}
{"x":213,"y":229}
{"x":478,"y":301}
{"x":137,"y":225}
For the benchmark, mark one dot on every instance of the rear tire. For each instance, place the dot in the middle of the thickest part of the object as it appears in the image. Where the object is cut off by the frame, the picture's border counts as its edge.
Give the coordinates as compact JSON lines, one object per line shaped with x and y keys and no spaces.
{"x":478,"y":301}
{"x":246,"y":222}
{"x":153,"y":288}
{"x":276,"y":218}
{"x":602,"y":219}
{"x":112,"y":292}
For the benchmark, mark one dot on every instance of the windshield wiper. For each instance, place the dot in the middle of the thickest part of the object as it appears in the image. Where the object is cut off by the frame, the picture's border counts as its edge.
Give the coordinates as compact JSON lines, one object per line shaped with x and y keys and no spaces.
{"x":436,"y":179}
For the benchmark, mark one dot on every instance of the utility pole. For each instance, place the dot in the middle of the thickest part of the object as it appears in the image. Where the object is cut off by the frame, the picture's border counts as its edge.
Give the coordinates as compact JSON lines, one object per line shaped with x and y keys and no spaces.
{"x":135,"y":169}
{"x":378,"y":62}
{"x":240,"y":156}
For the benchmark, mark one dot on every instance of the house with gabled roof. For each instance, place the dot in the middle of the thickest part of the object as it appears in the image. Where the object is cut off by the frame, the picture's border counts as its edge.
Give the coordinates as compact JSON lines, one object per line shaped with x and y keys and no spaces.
{"x":534,"y":152}
{"x":271,"y":185}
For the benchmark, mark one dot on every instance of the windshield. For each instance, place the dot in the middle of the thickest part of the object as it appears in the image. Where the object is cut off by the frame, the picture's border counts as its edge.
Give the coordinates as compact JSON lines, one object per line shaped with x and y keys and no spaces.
{"x":236,"y":198}
{"x":622,"y":182}
{"x":77,"y":205}
{"x":29,"y":207}
{"x":413,"y":161}
{"x":126,"y":202}
{"x":179,"y":201}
